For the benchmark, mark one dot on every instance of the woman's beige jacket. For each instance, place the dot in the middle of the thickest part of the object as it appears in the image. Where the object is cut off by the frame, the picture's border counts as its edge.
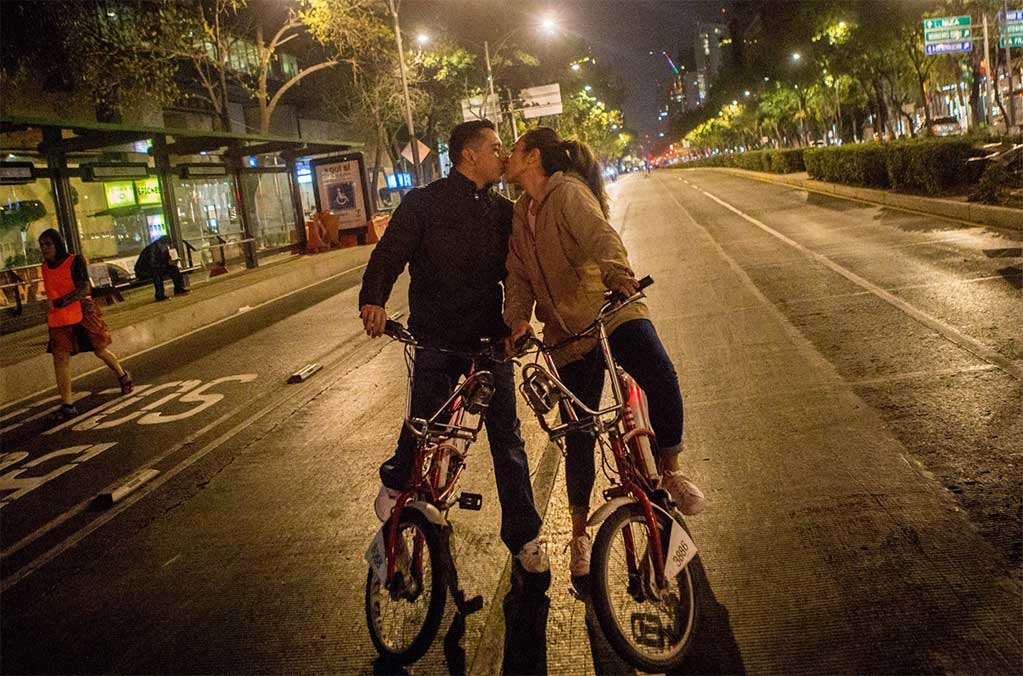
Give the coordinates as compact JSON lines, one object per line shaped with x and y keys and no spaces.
{"x":564,"y":267}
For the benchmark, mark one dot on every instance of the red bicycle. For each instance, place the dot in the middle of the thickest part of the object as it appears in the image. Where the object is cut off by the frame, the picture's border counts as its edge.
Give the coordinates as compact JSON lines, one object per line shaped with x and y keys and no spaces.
{"x":641,"y":582}
{"x":410,"y":564}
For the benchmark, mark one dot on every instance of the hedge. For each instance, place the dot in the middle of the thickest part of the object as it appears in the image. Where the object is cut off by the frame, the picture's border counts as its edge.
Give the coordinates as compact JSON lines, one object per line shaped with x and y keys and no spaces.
{"x":931,"y":166}
{"x":784,"y":161}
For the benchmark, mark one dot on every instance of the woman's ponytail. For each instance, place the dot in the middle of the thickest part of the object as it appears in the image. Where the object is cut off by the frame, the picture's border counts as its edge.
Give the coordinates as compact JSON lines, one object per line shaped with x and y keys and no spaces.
{"x":568,"y":155}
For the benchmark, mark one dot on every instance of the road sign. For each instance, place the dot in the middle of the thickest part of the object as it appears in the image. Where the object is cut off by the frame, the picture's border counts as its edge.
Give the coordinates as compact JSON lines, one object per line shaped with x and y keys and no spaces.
{"x":949,"y":34}
{"x":424,"y":150}
{"x":478,"y":108}
{"x":1016,"y":41}
{"x":946,"y":22}
{"x":948,"y":47}
{"x":1013,"y":15}
{"x":540,"y":101}
{"x":1011,"y":29}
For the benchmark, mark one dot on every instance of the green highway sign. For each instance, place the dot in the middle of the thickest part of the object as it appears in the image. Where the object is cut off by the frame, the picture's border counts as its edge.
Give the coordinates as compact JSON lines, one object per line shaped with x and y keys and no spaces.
{"x":949,"y":34}
{"x":1016,"y":41}
{"x":1012,"y":29}
{"x":947,"y":22}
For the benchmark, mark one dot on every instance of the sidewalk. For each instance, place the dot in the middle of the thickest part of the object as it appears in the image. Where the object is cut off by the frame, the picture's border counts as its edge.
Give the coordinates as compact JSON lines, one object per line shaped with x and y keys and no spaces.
{"x":139,"y":323}
{"x":958,"y":209}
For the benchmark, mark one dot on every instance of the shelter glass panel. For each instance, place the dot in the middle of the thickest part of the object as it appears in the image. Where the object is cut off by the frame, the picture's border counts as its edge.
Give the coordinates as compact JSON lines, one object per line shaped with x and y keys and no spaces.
{"x":210,"y":225}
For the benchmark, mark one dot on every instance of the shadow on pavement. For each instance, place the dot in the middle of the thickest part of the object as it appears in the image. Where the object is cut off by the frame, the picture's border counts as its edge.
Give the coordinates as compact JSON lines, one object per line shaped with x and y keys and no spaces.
{"x":714,"y":650}
{"x":526,"y":607}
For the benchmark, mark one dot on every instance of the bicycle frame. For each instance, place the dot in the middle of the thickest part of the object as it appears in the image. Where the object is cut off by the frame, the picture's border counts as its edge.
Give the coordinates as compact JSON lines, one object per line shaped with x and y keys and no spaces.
{"x":637,"y":472}
{"x":434,"y":451}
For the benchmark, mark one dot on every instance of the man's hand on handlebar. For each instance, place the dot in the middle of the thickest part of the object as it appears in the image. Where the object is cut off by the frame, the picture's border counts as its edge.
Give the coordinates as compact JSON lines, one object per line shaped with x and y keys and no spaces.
{"x":374,"y":318}
{"x":519,"y":328}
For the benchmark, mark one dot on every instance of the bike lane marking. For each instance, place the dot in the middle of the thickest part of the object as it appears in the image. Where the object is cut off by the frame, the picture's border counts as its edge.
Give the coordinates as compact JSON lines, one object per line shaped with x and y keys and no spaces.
{"x":14,"y":486}
{"x":194,"y":331}
{"x":282,"y":397}
{"x":949,"y":332}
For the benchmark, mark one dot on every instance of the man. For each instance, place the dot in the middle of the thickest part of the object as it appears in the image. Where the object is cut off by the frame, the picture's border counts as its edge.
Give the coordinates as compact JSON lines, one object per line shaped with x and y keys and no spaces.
{"x":155,"y":260}
{"x":453,"y":235}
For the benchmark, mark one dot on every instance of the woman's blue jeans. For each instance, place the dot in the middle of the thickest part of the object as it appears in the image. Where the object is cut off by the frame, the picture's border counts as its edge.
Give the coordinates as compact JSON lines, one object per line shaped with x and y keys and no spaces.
{"x":637,"y":349}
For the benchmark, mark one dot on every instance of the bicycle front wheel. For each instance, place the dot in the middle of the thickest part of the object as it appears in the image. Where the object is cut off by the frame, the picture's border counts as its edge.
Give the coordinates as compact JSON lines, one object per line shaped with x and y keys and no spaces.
{"x":403,"y":617}
{"x":649,"y":627}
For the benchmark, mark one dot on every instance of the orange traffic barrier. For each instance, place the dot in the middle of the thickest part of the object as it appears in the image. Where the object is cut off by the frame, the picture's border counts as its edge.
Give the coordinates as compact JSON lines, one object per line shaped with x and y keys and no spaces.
{"x":376,"y":228}
{"x":316,"y":236}
{"x":332,"y":224}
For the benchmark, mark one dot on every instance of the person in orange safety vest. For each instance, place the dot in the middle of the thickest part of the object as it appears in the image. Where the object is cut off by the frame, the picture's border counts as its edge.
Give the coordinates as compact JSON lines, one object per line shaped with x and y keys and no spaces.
{"x":74,"y":320}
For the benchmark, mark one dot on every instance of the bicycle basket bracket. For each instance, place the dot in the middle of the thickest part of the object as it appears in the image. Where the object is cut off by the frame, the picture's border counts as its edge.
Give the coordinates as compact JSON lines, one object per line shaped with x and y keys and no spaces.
{"x":540,"y":392}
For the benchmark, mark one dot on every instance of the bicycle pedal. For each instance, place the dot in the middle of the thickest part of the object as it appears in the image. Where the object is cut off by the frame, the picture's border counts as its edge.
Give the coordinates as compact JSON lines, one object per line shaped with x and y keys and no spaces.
{"x":473,"y":501}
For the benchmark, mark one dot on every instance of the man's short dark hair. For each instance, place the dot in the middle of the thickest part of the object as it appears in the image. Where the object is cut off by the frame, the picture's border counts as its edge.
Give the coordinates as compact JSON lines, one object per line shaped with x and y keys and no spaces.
{"x":465,"y":134}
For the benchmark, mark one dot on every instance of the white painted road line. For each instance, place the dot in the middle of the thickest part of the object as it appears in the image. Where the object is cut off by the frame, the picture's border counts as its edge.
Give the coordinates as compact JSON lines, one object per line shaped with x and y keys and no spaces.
{"x":193,"y":331}
{"x":952,"y":334}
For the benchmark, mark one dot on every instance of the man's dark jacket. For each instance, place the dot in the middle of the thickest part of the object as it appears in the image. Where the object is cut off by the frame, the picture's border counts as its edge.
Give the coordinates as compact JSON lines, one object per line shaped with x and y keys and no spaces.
{"x":454,"y":239}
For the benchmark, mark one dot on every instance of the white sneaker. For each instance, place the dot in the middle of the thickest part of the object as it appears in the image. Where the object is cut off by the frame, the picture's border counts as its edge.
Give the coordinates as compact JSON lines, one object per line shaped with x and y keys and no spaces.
{"x":533,"y":557}
{"x":386,"y":499}
{"x":580,"y":562}
{"x":687,"y":496}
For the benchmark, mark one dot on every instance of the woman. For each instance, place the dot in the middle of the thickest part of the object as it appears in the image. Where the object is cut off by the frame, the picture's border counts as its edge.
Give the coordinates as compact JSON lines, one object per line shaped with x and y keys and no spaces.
{"x":562,"y":256}
{"x":74,"y":320}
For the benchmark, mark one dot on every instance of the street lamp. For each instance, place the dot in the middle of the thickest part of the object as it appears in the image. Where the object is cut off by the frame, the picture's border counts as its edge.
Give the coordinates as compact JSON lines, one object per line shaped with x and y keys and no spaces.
{"x":587,"y":88}
{"x":422,"y":39}
{"x":796,"y":56}
{"x":575,"y":66}
{"x":548,"y":24}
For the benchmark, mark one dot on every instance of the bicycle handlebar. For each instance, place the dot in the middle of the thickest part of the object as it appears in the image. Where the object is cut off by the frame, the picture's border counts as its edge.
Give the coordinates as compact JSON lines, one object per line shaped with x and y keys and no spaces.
{"x":613,"y":302}
{"x":490,"y":348}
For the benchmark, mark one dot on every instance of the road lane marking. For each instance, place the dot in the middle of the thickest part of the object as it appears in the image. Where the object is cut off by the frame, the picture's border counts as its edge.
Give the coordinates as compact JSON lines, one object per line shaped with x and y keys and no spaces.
{"x":192,"y":332}
{"x":282,"y":398}
{"x":950,"y":333}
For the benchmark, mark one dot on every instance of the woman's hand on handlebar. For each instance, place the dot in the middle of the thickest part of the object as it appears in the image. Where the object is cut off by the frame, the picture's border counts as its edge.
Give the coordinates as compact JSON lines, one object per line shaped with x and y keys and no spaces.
{"x":626,"y":285}
{"x":374,"y":318}
{"x":519,"y":328}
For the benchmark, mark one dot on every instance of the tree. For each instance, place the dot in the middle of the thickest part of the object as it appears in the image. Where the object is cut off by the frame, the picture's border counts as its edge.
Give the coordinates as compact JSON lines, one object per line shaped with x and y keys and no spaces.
{"x":209,"y":31}
{"x":105,"y":50}
{"x":292,"y":28}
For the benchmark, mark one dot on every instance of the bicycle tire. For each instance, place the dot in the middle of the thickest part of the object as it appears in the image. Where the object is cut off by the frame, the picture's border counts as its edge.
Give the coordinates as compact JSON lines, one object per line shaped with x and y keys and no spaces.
{"x":603,"y":588}
{"x":416,"y":645}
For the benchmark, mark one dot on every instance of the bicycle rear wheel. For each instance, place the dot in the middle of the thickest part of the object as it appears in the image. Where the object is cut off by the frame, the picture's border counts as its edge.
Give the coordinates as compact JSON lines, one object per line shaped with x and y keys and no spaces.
{"x":403,"y":619}
{"x":651,"y":629}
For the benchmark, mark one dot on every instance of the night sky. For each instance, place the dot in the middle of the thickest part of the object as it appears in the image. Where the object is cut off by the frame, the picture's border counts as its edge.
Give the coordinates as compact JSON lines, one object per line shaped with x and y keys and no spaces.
{"x":622,"y":33}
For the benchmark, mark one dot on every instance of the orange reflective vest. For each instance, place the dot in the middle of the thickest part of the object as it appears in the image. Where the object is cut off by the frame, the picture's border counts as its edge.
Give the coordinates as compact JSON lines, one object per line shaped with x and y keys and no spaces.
{"x":58,"y":282}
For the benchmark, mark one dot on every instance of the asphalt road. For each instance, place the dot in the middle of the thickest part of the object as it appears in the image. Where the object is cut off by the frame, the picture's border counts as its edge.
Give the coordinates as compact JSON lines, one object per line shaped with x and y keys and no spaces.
{"x":852,"y":386}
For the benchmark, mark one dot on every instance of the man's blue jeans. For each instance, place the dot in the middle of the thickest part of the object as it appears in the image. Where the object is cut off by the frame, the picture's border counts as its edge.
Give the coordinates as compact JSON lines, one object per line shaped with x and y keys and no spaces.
{"x":637,"y":349}
{"x":434,"y":378}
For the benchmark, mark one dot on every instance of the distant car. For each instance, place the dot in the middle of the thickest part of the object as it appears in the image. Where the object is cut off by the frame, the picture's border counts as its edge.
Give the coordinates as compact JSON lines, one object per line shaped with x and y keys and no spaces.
{"x":942,"y":126}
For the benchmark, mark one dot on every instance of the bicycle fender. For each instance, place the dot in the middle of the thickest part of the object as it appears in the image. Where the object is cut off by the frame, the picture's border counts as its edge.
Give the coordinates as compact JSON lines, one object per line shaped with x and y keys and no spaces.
{"x":610,"y":506}
{"x":429,"y":512}
{"x":605,"y":510}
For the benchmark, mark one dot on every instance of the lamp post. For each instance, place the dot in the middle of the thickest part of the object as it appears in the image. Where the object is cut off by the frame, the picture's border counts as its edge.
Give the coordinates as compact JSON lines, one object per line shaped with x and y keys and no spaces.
{"x":549,"y":25}
{"x":413,"y":141}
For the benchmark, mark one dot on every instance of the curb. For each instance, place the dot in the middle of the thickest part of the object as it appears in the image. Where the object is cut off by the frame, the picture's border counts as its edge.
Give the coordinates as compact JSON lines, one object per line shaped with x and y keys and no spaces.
{"x":32,"y":375}
{"x":968,"y":212}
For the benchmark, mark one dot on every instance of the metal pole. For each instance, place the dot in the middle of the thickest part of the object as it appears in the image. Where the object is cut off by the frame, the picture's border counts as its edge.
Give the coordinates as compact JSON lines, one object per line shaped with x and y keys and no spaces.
{"x":1011,"y":122}
{"x":413,"y":142}
{"x":490,"y":83}
{"x":511,"y":111}
{"x":989,"y":95}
